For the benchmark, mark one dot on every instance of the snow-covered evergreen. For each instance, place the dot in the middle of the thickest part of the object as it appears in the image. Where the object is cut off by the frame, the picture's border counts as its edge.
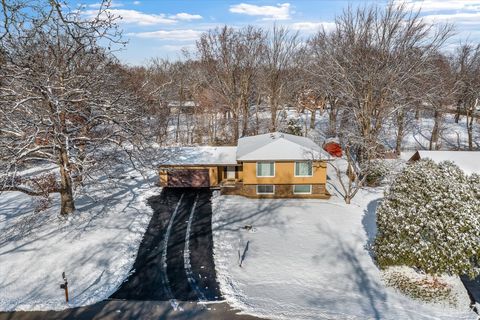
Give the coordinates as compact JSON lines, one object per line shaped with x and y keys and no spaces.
{"x":430,"y":220}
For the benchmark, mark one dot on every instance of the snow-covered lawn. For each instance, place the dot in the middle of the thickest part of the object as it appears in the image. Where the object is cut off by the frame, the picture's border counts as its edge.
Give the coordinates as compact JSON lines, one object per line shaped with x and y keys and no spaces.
{"x":307,"y":259}
{"x":96,"y":247}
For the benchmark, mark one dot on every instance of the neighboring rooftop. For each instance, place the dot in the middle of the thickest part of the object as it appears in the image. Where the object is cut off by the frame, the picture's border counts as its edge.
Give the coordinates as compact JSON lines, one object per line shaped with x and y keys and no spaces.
{"x":278,"y":146}
{"x":198,"y":156}
{"x":468,"y":161}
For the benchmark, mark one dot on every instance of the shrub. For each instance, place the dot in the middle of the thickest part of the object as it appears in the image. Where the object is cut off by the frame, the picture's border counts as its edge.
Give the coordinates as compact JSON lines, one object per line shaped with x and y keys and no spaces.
{"x":429,"y":220}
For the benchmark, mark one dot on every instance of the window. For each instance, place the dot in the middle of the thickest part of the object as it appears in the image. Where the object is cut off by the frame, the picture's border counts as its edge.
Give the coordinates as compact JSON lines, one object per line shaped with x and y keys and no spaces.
{"x":303,"y":169}
{"x":302,"y":188}
{"x":265,"y":189}
{"x":265,"y":169}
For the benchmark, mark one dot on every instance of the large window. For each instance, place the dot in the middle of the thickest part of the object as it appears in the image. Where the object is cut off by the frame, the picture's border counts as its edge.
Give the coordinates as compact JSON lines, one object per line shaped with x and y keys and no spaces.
{"x":265,"y":189}
{"x":303,"y":169}
{"x":302,"y":188}
{"x":265,"y":169}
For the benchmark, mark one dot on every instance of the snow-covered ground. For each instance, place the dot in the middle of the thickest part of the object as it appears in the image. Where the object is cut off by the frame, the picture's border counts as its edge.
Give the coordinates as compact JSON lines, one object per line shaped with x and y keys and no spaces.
{"x":308,"y":259}
{"x":96,"y":247}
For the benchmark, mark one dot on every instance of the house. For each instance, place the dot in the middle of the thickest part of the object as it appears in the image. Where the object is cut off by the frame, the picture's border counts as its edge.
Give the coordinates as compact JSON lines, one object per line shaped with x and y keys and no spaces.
{"x":273,"y":165}
{"x":468,"y":161}
{"x":181,"y":106}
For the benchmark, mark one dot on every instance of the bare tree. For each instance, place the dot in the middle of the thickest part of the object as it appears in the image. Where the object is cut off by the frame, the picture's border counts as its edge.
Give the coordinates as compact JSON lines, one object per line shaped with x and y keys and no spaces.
{"x":467,"y":65}
{"x":368,"y":59}
{"x":230,"y":59}
{"x":281,"y":49}
{"x":440,"y":93}
{"x":60,"y":99}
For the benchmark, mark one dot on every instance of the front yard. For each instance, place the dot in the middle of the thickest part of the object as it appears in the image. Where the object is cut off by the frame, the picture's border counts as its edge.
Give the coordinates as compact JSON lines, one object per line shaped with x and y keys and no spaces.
{"x":308,"y":259}
{"x":95,"y":247}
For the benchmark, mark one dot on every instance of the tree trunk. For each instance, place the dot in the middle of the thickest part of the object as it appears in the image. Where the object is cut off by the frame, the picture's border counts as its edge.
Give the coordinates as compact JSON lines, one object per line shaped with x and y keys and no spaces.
{"x":457,"y":113}
{"x":306,"y":126}
{"x":435,"y":131}
{"x":417,"y":113}
{"x":332,"y":119}
{"x":400,"y":131}
{"x":313,"y":117}
{"x":178,"y":126}
{"x":257,"y":121}
{"x":245,"y":119}
{"x":273,"y":115}
{"x":470,"y":129}
{"x":236,"y":127}
{"x":347,"y":199}
{"x":66,"y":188}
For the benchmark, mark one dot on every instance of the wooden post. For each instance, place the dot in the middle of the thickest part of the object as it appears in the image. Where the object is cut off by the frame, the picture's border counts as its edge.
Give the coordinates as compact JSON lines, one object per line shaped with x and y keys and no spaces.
{"x":64,"y":286}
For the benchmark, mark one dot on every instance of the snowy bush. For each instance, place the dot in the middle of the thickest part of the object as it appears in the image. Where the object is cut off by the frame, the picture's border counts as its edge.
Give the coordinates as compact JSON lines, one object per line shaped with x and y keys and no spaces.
{"x":474,"y":181}
{"x":377,"y":172}
{"x":425,"y":288}
{"x":430,"y":220}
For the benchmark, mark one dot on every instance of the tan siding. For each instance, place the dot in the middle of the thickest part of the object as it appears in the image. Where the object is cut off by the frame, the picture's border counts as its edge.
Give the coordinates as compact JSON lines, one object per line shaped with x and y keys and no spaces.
{"x":281,"y":191}
{"x":284,"y":174}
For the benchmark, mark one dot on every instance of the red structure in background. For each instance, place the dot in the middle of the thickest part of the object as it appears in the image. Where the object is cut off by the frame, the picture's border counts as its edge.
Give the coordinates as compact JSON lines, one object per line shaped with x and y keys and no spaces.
{"x":333,"y":148}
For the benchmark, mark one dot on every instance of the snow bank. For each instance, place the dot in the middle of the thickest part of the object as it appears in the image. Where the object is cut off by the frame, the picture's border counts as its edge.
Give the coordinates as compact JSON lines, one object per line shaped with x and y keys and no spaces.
{"x":96,"y":247}
{"x":307,"y":259}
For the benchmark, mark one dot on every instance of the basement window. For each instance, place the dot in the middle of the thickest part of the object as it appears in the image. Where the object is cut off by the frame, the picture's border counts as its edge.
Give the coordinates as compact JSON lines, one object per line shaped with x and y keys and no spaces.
{"x":302,"y":189}
{"x":265,"y":189}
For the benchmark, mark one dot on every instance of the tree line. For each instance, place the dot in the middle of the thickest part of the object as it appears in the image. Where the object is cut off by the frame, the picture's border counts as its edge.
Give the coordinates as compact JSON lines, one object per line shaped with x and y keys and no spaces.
{"x":66,"y":99}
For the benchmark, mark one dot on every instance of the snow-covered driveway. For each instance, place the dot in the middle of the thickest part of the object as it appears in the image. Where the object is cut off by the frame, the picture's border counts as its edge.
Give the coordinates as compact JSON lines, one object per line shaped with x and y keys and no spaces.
{"x":307,"y":259}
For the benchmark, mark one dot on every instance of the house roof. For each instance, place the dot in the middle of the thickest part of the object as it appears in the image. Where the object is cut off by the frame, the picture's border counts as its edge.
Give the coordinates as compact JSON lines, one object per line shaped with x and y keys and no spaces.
{"x":198,"y":156}
{"x":278,"y":146}
{"x":468,"y":161}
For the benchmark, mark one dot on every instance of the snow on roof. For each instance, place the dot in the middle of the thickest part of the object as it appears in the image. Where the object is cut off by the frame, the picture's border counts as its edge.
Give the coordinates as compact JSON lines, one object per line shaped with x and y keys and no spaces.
{"x":278,"y":146}
{"x":187,"y":103}
{"x":468,"y":161}
{"x":198,"y":156}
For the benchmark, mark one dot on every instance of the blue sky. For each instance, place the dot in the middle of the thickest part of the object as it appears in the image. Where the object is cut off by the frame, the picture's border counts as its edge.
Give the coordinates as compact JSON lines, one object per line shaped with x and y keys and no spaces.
{"x":162,"y":28}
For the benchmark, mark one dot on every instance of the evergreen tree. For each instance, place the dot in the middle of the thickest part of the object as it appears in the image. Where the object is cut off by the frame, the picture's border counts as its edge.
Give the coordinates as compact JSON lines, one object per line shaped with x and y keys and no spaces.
{"x":429,"y":219}
{"x":293,"y":127}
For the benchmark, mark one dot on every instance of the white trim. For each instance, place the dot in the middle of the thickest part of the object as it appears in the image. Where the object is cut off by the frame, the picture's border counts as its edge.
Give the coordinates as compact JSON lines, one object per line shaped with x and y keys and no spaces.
{"x":256,"y":169}
{"x":295,"y":168}
{"x":273,"y":187}
{"x":293,"y":189}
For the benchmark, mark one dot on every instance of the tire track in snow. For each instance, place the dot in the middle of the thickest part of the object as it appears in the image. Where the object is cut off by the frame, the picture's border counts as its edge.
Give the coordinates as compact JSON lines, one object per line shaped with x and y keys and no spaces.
{"x":186,"y":256}
{"x":173,"y":301}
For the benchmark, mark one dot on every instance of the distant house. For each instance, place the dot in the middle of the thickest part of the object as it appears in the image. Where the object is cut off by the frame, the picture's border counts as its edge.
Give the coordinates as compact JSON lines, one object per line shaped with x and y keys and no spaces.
{"x":468,"y":161}
{"x":182,"y":106}
{"x":273,"y":165}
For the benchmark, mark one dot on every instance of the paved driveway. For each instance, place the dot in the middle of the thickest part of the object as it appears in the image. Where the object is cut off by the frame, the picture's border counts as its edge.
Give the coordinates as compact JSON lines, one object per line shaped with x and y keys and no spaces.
{"x":134,"y":310}
{"x":175,"y":259}
{"x":174,"y":268}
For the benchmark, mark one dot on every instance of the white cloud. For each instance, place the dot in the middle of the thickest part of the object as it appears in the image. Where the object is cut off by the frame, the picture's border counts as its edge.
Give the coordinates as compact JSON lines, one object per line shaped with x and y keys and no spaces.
{"x":313,"y":26}
{"x":173,"y":47}
{"x":458,"y":18}
{"x":136,"y":3}
{"x":113,"y":4}
{"x":146,"y":19}
{"x":185,"y":16}
{"x":181,"y":35}
{"x":136,"y":17}
{"x":442,"y":5}
{"x":279,"y":12}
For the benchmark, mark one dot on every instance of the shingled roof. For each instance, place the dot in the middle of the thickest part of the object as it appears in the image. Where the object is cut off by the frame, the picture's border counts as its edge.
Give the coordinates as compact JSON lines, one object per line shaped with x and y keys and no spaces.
{"x":279,"y":146}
